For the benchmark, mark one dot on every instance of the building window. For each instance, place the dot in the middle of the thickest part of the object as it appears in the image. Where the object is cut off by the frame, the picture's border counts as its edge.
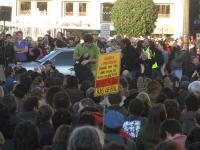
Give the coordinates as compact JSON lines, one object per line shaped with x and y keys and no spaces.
{"x":42,"y":7}
{"x":163,"y":10}
{"x":25,"y":8}
{"x":69,"y":9}
{"x":106,"y":9}
{"x":82,"y":9}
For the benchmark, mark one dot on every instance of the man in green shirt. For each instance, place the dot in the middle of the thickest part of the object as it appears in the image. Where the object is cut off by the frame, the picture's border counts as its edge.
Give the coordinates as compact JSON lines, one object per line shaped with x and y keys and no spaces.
{"x":88,"y":52}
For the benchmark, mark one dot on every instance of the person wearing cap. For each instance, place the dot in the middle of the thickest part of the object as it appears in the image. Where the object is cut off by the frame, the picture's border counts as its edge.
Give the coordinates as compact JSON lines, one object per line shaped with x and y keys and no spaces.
{"x":113,"y":122}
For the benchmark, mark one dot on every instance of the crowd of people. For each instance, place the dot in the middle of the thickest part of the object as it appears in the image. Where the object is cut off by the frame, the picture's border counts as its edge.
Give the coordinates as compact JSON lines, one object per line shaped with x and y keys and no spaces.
{"x":17,"y":48}
{"x":157,"y":107}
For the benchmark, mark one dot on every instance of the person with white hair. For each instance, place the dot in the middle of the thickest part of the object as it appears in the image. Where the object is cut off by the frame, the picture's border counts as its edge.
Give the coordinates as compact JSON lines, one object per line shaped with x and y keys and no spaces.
{"x":86,"y":138}
{"x":194,"y":88}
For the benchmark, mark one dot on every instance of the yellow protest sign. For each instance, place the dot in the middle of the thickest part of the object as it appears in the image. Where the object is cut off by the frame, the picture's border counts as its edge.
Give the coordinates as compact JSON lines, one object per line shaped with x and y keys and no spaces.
{"x":108,"y":73}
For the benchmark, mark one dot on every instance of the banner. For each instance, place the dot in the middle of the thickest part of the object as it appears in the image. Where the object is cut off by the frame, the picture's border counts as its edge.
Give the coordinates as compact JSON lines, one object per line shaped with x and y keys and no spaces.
{"x":108,"y":74}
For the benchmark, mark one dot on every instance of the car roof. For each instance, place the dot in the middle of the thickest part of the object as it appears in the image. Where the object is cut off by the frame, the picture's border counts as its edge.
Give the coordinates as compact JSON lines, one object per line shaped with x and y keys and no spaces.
{"x":55,"y":52}
{"x":65,"y":49}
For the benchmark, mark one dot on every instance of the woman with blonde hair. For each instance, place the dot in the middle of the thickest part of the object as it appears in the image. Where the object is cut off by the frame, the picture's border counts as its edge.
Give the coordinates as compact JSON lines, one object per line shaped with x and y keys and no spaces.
{"x":61,"y":137}
{"x":144,"y":97}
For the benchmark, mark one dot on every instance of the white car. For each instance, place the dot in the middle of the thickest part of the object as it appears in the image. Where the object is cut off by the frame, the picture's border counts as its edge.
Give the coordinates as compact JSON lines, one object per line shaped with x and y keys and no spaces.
{"x":61,"y":58}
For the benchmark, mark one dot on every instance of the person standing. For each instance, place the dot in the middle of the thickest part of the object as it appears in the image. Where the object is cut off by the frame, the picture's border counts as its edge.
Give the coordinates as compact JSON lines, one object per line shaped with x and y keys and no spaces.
{"x":87,"y":53}
{"x":130,"y":58}
{"x":177,"y":58}
{"x":9,"y":50}
{"x":21,"y":48}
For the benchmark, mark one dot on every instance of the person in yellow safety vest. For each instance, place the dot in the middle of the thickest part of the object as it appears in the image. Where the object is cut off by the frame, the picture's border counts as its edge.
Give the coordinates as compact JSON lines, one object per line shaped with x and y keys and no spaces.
{"x":147,"y":58}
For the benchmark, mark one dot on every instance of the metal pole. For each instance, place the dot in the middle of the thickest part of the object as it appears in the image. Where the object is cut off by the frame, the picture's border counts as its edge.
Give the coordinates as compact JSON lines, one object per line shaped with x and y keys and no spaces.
{"x":186,"y":4}
{"x":4,"y":26}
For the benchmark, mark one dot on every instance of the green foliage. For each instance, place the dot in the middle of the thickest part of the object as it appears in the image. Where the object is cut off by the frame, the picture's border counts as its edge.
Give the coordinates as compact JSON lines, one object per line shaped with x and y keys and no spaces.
{"x":134,"y":17}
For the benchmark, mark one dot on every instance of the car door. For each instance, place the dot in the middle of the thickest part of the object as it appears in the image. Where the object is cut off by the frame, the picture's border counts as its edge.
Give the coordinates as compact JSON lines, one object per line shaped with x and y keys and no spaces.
{"x":63,"y":62}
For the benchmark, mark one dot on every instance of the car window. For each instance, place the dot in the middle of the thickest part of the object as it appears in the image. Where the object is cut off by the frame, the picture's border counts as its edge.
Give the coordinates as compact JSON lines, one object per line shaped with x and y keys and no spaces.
{"x":63,"y":59}
{"x":46,"y":57}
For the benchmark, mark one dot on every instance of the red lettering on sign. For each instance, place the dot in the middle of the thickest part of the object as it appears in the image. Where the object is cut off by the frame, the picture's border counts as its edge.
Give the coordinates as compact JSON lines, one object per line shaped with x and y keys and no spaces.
{"x":107,"y":82}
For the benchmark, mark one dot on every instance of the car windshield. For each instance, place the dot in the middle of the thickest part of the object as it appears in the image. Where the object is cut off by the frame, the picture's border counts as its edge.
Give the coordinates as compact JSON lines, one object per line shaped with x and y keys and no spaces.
{"x":63,"y":59}
{"x":46,"y":57}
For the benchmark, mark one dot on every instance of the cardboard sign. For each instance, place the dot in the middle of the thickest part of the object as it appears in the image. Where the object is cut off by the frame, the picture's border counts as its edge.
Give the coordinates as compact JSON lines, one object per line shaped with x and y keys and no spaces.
{"x":108,"y":74}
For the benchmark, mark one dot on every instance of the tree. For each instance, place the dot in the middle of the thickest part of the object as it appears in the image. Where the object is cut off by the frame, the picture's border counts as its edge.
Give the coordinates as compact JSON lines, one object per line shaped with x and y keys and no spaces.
{"x":134,"y":17}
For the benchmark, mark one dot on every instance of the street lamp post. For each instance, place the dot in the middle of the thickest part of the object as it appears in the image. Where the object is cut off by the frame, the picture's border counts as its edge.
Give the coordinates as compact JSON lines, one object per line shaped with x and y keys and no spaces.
{"x":186,"y":4}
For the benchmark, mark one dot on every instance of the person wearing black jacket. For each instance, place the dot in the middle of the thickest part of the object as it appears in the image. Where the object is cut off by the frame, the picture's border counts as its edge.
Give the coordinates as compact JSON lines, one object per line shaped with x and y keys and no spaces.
{"x":130,"y":58}
{"x":7,"y":53}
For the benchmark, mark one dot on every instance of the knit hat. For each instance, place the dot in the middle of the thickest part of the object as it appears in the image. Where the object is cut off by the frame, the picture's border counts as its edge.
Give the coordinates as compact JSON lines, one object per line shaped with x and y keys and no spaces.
{"x":113,"y":119}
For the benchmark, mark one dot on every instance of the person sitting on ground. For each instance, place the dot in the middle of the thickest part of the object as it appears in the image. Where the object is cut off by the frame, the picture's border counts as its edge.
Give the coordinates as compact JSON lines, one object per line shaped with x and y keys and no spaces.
{"x":144,"y":97}
{"x":113,"y":122}
{"x":85,"y":102}
{"x":172,"y":109}
{"x":149,"y":136}
{"x":154,"y":88}
{"x":115,"y":100}
{"x":62,"y":116}
{"x":51,"y":93}
{"x":20,"y":92}
{"x":193,"y":136}
{"x":86,"y":119}
{"x":135,"y":121}
{"x":115,"y":146}
{"x":71,"y":87}
{"x":194,"y":146}
{"x":61,"y":100}
{"x":194,"y":88}
{"x":44,"y":122}
{"x":188,"y":115}
{"x":30,"y":109}
{"x":61,"y":137}
{"x":26,"y":136}
{"x":168,"y":145}
{"x":11,"y":104}
{"x":86,"y":137}
{"x":171,"y":129}
{"x":94,"y":112}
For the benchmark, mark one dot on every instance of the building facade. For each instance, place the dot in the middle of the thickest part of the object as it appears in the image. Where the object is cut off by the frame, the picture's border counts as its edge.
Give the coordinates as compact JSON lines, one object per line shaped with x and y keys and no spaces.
{"x":38,"y":16}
